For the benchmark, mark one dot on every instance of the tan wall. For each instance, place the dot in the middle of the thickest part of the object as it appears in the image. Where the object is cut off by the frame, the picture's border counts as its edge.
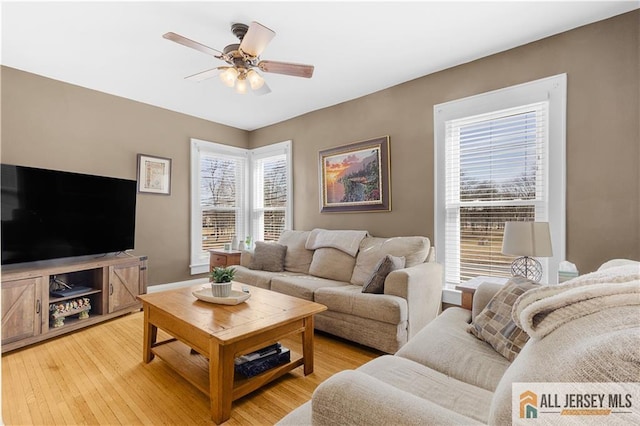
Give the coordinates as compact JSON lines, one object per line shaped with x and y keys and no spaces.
{"x":46,"y":123}
{"x":50,"y":124}
{"x":603,"y":67}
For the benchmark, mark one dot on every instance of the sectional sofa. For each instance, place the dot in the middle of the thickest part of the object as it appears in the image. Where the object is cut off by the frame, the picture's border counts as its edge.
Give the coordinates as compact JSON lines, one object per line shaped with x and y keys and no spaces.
{"x":584,"y":330}
{"x":332,"y":266}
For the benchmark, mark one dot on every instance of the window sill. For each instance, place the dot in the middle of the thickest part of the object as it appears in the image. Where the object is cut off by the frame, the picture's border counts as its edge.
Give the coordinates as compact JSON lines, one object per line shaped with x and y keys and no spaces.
{"x":451,"y":296}
{"x":199,"y":269}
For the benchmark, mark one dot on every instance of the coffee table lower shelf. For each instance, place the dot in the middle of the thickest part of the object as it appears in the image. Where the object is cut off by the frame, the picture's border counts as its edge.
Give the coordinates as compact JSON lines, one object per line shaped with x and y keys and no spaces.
{"x":195,"y":368}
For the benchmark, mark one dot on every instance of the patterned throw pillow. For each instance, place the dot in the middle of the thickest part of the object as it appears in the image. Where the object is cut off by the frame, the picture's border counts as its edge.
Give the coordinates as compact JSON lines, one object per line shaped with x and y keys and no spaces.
{"x":268,"y":257}
{"x":494,"y":324}
{"x":375,"y":283}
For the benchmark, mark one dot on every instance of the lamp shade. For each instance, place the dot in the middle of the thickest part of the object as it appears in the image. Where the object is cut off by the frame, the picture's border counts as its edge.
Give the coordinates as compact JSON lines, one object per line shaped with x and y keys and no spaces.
{"x":255,"y":80}
{"x":229,"y":76}
{"x":241,"y":86}
{"x":527,"y":239}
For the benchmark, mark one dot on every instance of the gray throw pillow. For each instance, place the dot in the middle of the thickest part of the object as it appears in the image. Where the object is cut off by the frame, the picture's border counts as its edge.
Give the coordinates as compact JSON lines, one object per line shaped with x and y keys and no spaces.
{"x":268,"y":257}
{"x":375,"y":283}
{"x":495,"y":324}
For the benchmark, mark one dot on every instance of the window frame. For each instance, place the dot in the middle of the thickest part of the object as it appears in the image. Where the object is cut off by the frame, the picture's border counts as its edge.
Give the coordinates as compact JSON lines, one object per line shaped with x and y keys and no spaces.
{"x":551,"y":90}
{"x":199,"y":261}
{"x":261,"y":153}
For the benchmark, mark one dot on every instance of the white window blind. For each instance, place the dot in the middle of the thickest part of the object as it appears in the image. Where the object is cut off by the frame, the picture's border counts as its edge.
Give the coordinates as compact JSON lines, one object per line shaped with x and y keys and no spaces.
{"x":496,"y":171}
{"x":271,"y":196}
{"x":221,"y":199}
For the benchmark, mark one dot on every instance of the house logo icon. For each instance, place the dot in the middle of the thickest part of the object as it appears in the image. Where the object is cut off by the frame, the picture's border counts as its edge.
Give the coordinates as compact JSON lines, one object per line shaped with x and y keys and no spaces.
{"x":528,"y":405}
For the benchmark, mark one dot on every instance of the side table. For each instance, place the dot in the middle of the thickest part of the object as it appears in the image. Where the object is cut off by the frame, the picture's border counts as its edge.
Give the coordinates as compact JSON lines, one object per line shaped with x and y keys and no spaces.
{"x":223,"y":258}
{"x":468,"y":288}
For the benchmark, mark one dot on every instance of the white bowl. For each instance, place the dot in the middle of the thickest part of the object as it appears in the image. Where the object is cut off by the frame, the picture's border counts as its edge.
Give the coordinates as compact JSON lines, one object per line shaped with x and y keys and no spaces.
{"x":235,"y":297}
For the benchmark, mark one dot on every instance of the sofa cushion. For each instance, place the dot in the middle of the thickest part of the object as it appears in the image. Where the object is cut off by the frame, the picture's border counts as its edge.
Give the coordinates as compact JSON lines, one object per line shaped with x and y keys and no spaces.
{"x":332,"y":264}
{"x":298,"y":258}
{"x":257,"y":278}
{"x":268,"y":257}
{"x":446,"y":346}
{"x":386,"y":265}
{"x":302,"y":286}
{"x":372,"y":249}
{"x":350,"y":299}
{"x":495,"y":325}
{"x":431,"y":385}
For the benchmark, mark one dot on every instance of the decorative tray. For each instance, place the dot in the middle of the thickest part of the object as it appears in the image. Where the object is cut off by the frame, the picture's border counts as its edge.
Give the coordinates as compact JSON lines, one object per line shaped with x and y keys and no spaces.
{"x":234,"y":298}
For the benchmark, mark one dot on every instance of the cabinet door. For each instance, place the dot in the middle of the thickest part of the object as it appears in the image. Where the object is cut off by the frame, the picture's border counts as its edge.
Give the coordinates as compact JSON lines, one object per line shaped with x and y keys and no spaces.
{"x":124,"y":286}
{"x":21,"y":309}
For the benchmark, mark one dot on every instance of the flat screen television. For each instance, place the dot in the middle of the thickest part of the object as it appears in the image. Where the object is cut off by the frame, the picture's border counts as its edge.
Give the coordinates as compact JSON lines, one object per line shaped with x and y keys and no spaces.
{"x":50,"y":214}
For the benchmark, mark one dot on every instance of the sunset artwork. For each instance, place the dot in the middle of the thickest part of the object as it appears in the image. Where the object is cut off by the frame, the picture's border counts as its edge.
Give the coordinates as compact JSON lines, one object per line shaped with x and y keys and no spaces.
{"x":352,"y":177}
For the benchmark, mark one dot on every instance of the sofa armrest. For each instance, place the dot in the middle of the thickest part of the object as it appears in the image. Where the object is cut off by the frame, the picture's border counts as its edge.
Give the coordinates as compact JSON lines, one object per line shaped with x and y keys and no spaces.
{"x":246,"y":256}
{"x":482,"y":296}
{"x":421,"y":286}
{"x":355,"y":398}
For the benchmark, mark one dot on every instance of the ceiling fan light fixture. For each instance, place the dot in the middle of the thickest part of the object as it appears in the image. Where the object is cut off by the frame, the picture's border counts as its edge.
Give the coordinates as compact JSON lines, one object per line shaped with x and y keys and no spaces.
{"x":241,"y":86}
{"x":242,"y":58}
{"x":229,"y":76}
{"x":255,"y":80}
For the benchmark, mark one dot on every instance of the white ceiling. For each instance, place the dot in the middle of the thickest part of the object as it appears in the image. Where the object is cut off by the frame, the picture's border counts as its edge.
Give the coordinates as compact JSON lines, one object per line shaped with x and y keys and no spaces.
{"x":357,"y":47}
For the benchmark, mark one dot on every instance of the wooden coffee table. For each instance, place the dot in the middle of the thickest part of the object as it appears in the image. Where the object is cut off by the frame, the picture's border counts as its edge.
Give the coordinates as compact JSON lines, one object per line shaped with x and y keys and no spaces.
{"x":223,"y":332}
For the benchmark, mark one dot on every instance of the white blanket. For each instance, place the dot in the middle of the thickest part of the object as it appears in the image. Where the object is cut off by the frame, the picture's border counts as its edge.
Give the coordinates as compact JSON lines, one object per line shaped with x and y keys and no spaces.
{"x":346,"y":241}
{"x":542,"y":310}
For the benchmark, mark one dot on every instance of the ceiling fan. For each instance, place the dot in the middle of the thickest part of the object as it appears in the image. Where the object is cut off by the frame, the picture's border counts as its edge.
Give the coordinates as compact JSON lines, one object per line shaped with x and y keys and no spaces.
{"x":243,"y":59}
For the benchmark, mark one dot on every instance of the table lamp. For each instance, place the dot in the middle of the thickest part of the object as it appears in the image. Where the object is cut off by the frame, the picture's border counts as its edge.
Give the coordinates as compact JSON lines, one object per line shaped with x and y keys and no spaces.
{"x":527,"y":239}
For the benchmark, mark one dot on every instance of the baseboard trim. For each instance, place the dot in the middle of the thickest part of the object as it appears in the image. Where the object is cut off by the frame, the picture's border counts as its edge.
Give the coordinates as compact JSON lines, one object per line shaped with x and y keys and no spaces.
{"x":178,"y":284}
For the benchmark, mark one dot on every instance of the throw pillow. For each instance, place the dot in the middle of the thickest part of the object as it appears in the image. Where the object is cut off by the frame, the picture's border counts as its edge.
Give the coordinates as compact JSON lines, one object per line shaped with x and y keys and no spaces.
{"x":375,"y":283}
{"x":298,"y":258}
{"x":495,"y":325}
{"x":268,"y":257}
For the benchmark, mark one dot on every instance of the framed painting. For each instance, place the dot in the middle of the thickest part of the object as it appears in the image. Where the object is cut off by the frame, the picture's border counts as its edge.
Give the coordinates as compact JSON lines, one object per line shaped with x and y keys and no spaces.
{"x":154,"y":174}
{"x":355,"y":177}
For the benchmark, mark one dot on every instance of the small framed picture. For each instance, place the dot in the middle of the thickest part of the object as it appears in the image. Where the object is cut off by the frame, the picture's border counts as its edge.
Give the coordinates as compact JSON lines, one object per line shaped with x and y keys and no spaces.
{"x":154,"y":174}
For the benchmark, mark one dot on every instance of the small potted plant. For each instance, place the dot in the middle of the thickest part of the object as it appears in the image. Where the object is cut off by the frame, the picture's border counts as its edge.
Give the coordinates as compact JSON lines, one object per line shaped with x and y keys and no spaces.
{"x":221,"y":281}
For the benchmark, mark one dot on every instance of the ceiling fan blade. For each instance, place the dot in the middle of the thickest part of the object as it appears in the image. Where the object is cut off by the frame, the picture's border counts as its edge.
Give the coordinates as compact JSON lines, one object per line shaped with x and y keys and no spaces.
{"x":265,"y":89}
{"x":287,"y":68}
{"x":204,"y":75}
{"x":256,"y":39}
{"x":193,"y":44}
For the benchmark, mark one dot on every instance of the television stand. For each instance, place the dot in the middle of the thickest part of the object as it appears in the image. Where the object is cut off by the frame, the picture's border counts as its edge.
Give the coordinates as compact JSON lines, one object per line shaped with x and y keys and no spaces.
{"x":71,"y":291}
{"x":31,"y":312}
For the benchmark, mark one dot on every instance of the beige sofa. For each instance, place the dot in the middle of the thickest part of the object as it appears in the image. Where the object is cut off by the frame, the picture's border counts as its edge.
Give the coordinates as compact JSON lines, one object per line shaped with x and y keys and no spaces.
{"x":584,"y":330}
{"x":330,"y":267}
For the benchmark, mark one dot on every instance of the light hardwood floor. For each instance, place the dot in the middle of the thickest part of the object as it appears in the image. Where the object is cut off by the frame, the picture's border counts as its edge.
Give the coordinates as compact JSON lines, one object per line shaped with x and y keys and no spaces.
{"x":96,"y":376}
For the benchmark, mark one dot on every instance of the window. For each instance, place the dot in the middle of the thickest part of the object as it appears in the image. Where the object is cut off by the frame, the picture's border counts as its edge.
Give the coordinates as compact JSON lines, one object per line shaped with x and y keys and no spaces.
{"x":221,"y":198}
{"x":499,"y":158}
{"x":237,"y":192}
{"x":271,"y":180}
